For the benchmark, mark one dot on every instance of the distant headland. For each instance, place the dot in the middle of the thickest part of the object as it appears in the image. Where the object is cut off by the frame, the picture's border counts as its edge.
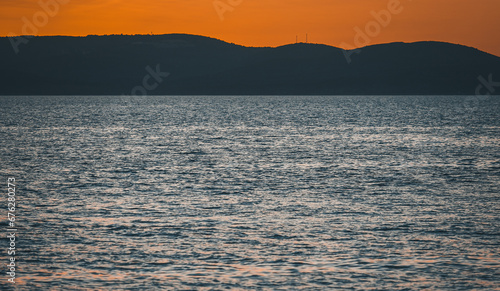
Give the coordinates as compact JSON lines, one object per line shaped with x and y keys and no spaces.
{"x":180,"y":64}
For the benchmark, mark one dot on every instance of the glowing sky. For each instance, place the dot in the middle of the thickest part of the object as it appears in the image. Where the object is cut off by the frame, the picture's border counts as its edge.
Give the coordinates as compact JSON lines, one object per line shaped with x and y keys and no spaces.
{"x":263,"y":22}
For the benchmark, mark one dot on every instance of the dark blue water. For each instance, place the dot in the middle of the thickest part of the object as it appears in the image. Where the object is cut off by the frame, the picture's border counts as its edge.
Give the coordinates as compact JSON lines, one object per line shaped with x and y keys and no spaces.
{"x":272,"y":193}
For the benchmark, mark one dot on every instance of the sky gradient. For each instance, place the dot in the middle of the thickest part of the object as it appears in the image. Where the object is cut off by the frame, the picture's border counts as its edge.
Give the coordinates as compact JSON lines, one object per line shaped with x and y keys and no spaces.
{"x":265,"y":22}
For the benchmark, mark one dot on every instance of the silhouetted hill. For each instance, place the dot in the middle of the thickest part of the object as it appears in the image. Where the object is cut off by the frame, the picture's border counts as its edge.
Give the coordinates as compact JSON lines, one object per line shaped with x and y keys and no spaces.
{"x":114,"y":65}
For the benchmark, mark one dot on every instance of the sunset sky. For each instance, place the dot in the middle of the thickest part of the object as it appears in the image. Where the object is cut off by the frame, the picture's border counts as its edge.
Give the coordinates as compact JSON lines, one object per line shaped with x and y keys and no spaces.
{"x":264,"y":22}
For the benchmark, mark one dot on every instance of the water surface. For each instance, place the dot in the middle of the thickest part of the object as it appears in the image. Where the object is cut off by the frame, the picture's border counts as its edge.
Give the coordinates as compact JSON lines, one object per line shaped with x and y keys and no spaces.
{"x":272,"y":193}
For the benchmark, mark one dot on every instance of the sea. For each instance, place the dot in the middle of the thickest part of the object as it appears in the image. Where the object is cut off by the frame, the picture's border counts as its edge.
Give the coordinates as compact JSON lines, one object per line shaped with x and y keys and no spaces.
{"x":250,"y":192}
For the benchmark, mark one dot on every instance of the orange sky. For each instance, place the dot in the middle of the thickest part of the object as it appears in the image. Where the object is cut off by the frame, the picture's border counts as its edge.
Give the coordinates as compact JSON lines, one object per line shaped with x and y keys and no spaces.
{"x":264,"y":22}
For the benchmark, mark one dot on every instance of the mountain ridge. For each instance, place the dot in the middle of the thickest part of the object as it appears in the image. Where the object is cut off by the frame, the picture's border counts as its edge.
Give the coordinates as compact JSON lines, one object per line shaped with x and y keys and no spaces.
{"x":198,"y":65}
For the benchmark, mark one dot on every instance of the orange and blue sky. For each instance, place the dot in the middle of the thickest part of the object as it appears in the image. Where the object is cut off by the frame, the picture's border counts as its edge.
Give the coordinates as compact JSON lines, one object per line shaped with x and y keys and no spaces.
{"x":264,"y":22}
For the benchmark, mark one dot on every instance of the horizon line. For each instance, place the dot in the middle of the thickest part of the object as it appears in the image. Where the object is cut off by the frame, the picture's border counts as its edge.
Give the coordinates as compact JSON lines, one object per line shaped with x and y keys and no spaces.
{"x":291,"y":43}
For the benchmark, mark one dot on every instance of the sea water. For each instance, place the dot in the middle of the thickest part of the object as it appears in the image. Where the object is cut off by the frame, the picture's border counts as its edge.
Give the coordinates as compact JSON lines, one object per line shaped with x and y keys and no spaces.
{"x":252,"y":192}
